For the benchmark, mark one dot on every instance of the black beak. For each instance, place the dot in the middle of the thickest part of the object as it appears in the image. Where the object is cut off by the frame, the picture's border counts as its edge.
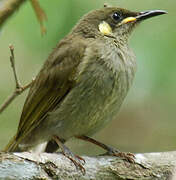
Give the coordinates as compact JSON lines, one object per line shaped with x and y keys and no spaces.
{"x":148,"y":14}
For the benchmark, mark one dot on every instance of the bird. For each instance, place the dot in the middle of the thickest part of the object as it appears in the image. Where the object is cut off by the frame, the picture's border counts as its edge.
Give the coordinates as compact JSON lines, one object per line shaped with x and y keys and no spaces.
{"x":82,"y":85}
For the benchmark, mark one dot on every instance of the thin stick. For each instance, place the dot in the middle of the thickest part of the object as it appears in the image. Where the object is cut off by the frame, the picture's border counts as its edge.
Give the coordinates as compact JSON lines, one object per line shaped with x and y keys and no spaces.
{"x":13,"y":96}
{"x":12,"y":60}
{"x":40,"y":14}
{"x":19,"y":89}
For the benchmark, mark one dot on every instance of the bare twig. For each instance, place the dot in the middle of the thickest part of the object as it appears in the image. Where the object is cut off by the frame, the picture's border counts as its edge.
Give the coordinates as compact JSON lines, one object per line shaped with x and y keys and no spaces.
{"x":8,"y":7}
{"x":40,"y":14}
{"x":19,"y":88}
{"x":12,"y":60}
{"x":14,"y":95}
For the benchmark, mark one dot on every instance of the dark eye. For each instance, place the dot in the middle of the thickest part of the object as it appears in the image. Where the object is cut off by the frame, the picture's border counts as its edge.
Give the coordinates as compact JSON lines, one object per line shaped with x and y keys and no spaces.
{"x":116,"y":16}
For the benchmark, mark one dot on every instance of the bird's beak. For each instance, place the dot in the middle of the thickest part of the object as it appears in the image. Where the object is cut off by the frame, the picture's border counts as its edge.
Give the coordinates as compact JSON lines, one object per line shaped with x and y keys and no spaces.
{"x":148,"y":14}
{"x":143,"y":15}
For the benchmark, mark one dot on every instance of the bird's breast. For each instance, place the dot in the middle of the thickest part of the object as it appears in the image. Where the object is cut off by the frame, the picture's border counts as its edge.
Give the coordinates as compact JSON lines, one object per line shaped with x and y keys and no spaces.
{"x":102,"y":82}
{"x":104,"y":79}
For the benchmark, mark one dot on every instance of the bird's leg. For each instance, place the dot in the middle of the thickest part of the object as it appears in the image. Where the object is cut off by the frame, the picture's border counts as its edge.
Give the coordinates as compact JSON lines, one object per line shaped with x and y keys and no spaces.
{"x":77,"y":160}
{"x":110,"y":151}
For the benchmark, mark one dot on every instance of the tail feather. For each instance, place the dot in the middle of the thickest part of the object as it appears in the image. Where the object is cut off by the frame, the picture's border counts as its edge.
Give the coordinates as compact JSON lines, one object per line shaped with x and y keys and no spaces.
{"x":12,"y":146}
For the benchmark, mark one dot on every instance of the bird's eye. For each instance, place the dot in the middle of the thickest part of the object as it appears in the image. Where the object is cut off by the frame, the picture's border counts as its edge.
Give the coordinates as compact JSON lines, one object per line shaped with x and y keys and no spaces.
{"x":116,"y":16}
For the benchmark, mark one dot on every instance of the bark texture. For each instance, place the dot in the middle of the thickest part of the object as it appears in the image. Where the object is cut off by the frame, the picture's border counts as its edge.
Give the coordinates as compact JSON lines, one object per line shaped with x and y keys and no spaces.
{"x":153,"y":166}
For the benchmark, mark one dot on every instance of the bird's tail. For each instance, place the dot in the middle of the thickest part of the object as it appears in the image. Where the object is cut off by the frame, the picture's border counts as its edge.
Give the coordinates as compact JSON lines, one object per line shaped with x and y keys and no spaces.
{"x":12,"y":146}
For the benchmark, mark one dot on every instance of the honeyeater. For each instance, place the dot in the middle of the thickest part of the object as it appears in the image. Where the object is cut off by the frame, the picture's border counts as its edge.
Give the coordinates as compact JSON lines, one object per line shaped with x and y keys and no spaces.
{"x":81,"y":85}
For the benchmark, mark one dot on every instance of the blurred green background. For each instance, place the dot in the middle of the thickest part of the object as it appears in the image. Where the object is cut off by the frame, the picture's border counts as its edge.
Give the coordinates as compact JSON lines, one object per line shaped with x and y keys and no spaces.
{"x":147,"y":119}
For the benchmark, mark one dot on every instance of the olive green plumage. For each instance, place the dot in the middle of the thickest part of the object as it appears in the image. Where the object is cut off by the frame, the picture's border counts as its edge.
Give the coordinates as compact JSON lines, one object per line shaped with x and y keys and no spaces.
{"x":82,"y":84}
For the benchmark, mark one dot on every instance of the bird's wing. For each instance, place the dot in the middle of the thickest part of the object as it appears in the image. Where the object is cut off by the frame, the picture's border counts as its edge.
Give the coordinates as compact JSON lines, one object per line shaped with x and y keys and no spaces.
{"x":52,"y":84}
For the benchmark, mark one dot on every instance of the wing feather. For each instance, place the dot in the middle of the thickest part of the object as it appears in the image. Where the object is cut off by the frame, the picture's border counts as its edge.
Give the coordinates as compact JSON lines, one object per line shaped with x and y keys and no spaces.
{"x":52,"y":84}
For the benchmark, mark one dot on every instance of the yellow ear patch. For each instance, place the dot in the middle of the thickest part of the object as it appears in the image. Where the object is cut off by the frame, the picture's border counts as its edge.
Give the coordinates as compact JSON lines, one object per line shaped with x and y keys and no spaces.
{"x":105,"y":28}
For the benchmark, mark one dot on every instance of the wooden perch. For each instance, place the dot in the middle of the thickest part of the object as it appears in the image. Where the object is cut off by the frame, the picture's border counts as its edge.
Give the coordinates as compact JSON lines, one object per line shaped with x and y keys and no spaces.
{"x":26,"y":165}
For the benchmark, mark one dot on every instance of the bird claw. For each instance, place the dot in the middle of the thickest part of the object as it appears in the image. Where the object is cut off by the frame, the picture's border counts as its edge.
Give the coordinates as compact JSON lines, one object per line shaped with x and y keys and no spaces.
{"x":126,"y":156}
{"x":81,"y":159}
{"x":130,"y":157}
{"x":77,"y":160}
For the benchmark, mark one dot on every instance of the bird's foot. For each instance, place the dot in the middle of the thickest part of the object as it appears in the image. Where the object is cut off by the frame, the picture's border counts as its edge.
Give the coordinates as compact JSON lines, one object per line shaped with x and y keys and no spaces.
{"x":130,"y":157}
{"x":110,"y":151}
{"x":77,"y":160}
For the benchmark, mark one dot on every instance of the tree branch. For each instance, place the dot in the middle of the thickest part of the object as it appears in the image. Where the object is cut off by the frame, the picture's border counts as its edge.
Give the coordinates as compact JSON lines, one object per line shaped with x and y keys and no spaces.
{"x":19,"y":88}
{"x":149,"y":166}
{"x":7,"y":8}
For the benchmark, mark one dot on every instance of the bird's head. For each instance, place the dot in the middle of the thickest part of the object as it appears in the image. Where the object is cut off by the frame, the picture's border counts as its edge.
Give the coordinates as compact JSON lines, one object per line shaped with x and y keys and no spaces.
{"x":112,"y":22}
